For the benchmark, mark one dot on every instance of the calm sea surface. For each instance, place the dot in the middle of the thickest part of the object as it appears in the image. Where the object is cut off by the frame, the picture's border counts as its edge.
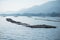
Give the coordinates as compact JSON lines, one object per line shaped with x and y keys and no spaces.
{"x":10,"y":31}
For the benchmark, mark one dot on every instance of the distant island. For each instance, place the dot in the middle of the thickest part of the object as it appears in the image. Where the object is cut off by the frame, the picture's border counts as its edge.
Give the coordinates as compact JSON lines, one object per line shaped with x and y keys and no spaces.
{"x":28,"y":25}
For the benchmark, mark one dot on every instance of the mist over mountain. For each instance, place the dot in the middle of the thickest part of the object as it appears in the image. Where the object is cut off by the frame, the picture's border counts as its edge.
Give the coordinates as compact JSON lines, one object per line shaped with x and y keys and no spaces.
{"x":49,"y":7}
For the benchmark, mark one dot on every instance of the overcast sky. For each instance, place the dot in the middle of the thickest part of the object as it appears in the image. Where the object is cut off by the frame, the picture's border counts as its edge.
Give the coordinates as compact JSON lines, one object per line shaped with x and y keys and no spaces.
{"x":15,"y":5}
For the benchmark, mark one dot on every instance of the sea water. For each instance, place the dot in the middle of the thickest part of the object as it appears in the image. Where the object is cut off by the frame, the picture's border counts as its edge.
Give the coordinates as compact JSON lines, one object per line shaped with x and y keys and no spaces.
{"x":10,"y":31}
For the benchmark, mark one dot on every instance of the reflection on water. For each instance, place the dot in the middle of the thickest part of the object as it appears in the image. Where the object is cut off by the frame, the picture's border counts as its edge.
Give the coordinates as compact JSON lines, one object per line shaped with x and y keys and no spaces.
{"x":10,"y":31}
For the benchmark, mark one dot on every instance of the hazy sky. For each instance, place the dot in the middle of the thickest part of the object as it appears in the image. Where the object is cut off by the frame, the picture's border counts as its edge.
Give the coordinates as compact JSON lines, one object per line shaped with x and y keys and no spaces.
{"x":15,"y":5}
